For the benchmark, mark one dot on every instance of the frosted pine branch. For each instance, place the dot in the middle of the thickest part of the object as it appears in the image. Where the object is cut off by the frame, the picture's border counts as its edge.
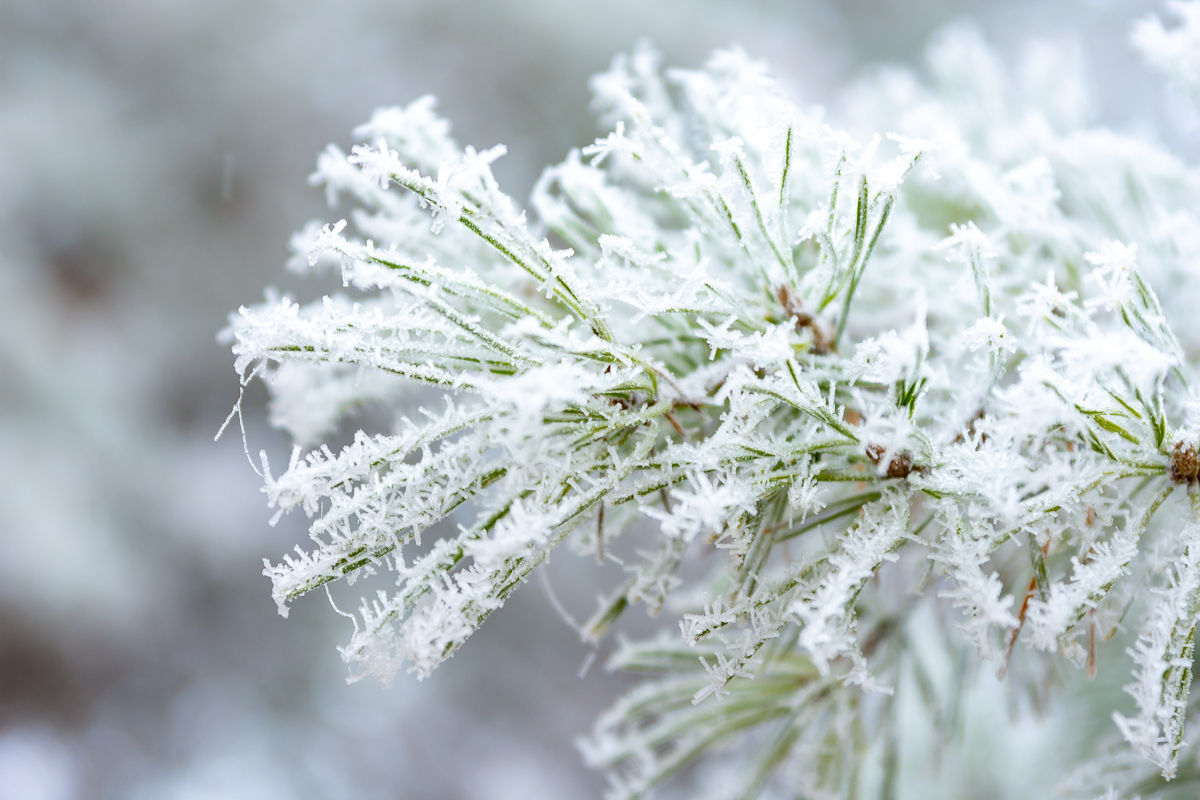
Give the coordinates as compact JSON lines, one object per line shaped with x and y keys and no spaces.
{"x":941,"y":369}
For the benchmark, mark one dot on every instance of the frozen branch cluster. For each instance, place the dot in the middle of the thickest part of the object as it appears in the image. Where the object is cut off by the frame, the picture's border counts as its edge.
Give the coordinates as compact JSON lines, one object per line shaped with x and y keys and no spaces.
{"x":854,"y":379}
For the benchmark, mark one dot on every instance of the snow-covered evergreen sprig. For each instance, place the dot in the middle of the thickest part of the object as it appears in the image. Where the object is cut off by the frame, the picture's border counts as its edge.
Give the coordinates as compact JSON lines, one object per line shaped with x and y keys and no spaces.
{"x":861,"y":386}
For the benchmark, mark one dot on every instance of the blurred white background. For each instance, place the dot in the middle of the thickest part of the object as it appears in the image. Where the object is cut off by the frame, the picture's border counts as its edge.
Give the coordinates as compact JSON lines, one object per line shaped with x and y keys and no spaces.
{"x":153,"y":158}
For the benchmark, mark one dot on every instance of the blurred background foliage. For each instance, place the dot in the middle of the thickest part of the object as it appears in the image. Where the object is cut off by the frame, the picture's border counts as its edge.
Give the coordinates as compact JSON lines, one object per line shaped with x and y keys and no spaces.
{"x":152,"y":165}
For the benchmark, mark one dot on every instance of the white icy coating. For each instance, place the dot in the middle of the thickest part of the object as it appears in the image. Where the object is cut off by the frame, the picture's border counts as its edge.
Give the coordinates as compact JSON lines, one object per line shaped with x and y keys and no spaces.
{"x":1163,"y":654}
{"x":927,"y":349}
{"x":825,"y":609}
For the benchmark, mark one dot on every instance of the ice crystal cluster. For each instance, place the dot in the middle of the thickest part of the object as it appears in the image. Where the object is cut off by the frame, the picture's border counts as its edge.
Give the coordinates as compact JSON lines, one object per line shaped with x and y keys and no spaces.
{"x":852,"y":386}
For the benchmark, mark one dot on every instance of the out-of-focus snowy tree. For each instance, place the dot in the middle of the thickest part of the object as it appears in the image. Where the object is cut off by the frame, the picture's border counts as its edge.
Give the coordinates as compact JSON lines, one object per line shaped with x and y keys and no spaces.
{"x":156,"y":152}
{"x":1174,"y":49}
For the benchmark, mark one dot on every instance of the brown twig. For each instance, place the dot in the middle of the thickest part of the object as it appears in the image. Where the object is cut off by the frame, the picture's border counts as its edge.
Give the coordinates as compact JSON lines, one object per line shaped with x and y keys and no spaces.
{"x":1011,"y":644}
{"x":670,"y":417}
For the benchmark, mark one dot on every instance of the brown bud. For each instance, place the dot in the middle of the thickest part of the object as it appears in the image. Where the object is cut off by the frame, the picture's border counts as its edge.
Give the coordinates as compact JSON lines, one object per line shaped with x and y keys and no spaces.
{"x":900,"y":465}
{"x":1185,"y":463}
{"x":822,"y":339}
